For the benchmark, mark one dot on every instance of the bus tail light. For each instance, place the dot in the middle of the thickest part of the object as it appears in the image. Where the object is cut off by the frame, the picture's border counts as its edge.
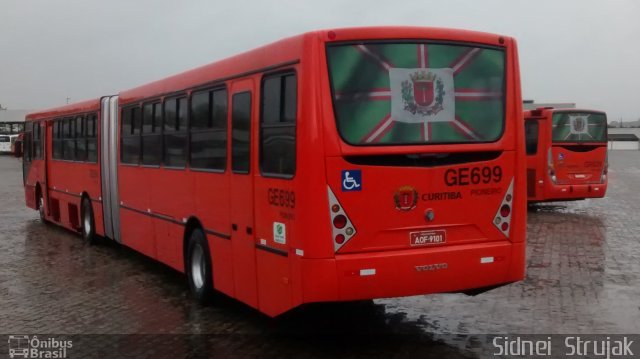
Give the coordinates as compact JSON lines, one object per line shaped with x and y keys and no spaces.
{"x":605,"y":169}
{"x":502,"y":220}
{"x":552,"y":170}
{"x":341,"y":227}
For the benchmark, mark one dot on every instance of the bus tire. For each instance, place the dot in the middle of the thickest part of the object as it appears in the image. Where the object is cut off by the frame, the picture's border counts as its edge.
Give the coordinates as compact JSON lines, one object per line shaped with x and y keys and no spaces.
{"x":198,"y":267}
{"x":88,"y":222}
{"x":40,"y":205}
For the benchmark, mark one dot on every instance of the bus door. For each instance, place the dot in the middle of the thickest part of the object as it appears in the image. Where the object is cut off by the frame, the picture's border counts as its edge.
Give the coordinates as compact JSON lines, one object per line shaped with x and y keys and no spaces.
{"x":536,"y":155}
{"x":241,"y":190}
{"x":26,"y":158}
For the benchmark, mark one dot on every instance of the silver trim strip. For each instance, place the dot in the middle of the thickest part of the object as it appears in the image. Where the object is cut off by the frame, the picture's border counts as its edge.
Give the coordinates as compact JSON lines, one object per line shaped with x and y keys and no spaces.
{"x":113,"y":167}
{"x":104,"y":167}
{"x":109,"y":162}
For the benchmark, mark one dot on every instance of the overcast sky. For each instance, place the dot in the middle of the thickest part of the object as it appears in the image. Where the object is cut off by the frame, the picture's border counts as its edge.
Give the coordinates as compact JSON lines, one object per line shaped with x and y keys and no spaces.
{"x":581,"y":51}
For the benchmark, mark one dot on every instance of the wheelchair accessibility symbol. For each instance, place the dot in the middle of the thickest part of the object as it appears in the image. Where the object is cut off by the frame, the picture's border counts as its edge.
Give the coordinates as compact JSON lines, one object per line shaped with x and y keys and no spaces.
{"x":351,"y":180}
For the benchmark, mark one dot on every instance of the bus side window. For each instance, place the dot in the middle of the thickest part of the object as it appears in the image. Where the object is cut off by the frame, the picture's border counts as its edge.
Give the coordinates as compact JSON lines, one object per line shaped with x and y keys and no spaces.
{"x":42,"y":126}
{"x":209,"y":130}
{"x":130,"y":146}
{"x":175,"y":132}
{"x":151,"y":135}
{"x":278,"y":125}
{"x":69,"y":150}
{"x":531,"y":136}
{"x":241,"y":132}
{"x":81,"y":142}
{"x":57,"y":151}
{"x":36,"y":140}
{"x":90,"y":133}
{"x":28,"y":138}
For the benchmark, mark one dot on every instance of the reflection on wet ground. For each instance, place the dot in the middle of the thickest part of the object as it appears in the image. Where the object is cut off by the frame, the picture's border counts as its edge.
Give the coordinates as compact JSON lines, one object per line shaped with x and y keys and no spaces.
{"x":583,"y":276}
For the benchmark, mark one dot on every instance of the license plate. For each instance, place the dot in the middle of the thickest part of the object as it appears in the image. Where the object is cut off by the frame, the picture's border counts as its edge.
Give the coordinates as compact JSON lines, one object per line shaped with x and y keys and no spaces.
{"x":426,"y":238}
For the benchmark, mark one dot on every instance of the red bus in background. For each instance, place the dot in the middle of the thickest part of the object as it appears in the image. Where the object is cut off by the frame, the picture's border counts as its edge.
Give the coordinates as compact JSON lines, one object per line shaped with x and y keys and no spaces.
{"x":566,"y":154}
{"x":335,"y":165}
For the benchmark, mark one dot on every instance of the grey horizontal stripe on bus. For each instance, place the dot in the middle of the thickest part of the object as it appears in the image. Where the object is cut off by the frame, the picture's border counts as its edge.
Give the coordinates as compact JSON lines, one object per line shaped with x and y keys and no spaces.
{"x":216,"y":82}
{"x":74,"y":195}
{"x":221,"y":235}
{"x":154,"y":215}
{"x":279,"y":252}
{"x":172,"y":220}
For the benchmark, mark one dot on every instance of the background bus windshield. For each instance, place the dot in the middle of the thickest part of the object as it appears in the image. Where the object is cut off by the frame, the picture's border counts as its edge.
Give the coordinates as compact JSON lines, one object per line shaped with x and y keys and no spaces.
{"x":579,"y":127}
{"x":417,"y":93}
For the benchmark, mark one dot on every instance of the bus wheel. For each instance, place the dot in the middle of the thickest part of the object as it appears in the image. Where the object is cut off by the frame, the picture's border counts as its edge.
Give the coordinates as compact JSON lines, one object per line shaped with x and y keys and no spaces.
{"x":198,"y":268}
{"x":40,"y":203}
{"x":88,"y":222}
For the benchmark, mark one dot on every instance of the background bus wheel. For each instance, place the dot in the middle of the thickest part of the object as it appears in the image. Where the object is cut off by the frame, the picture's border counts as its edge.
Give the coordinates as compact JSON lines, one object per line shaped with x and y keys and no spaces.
{"x":40,"y":203}
{"x":88,"y":223}
{"x":198,"y":268}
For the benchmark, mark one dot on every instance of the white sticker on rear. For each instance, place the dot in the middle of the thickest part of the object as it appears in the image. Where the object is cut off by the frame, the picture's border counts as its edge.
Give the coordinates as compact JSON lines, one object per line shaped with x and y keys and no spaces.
{"x":485,"y":260}
{"x":279,"y":233}
{"x":367,"y":272}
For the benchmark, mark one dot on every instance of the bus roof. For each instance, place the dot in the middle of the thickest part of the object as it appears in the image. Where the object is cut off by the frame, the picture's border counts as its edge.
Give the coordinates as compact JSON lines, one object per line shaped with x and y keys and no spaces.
{"x":83,"y":106}
{"x":280,"y":52}
{"x":539,"y":111}
{"x":274,"y":55}
{"x":290,"y":50}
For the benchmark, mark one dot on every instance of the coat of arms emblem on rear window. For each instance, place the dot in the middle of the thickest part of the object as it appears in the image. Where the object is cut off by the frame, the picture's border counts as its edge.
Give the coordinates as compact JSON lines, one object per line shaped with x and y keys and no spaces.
{"x":423,"y":93}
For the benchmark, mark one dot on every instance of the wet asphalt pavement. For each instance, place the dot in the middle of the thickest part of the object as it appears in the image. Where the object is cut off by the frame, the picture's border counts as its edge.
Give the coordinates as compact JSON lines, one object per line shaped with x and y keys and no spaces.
{"x":583,"y":276}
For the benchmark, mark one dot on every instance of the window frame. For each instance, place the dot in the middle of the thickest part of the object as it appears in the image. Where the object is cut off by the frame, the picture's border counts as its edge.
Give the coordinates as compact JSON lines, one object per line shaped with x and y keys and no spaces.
{"x":180,"y":131}
{"x":505,"y":87}
{"x":156,"y":130}
{"x":282,"y":74}
{"x":535,"y":123}
{"x":91,"y":117}
{"x":132,"y":131}
{"x":212,"y":129}
{"x":250,"y":93}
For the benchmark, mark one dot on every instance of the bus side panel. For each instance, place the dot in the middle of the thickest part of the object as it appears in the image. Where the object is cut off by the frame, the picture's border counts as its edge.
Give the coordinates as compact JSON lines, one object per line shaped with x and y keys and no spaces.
{"x":274,"y":283}
{"x":136,"y":227}
{"x":221,"y":255}
{"x":212,"y":209}
{"x":98,"y":216}
{"x":514,"y":112}
{"x":169,"y":248}
{"x":67,"y":182}
{"x":171,"y":197}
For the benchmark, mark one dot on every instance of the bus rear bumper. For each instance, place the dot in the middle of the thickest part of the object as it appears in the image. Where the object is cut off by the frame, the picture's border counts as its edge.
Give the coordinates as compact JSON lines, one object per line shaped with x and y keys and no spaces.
{"x":580,"y":191}
{"x":421,"y":271}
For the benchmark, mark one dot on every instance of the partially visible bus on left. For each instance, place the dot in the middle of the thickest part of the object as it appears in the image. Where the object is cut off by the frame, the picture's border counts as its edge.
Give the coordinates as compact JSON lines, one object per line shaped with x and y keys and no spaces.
{"x":9,"y":133}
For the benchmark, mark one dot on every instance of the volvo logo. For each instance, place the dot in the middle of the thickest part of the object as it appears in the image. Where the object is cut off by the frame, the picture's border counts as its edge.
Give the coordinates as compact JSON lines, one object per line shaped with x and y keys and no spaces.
{"x":431,"y":267}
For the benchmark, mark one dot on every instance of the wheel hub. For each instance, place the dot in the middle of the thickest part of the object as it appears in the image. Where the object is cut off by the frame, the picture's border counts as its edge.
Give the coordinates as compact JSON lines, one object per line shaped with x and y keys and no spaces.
{"x":197,"y":266}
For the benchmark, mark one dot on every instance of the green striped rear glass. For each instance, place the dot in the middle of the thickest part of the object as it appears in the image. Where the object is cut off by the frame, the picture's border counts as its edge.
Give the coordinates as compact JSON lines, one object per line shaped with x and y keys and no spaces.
{"x":396,"y":93}
{"x":579,"y":127}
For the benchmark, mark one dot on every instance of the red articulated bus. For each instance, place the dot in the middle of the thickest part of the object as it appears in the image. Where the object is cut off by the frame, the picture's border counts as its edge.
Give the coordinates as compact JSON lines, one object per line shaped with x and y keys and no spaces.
{"x":332,"y":166}
{"x":566,"y":154}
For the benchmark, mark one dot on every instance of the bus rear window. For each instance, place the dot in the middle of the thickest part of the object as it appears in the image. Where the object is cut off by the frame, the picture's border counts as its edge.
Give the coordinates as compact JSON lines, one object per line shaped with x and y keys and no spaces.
{"x":579,"y":127}
{"x":400,"y":93}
